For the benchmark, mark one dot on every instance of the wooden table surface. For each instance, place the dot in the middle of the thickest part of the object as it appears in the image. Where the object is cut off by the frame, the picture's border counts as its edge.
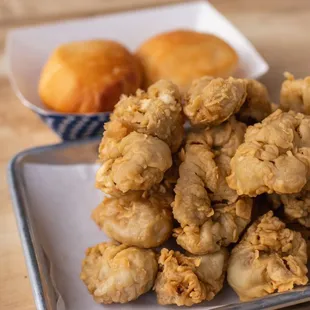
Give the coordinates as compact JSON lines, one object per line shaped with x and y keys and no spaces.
{"x":278,"y":29}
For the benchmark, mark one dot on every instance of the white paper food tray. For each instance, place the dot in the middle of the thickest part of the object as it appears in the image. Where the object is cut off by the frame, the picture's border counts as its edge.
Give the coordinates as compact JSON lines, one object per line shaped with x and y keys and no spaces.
{"x":53,"y":195}
{"x":27,"y":49}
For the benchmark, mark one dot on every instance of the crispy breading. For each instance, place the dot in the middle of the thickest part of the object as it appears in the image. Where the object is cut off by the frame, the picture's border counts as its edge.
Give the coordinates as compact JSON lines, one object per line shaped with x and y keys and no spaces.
{"x":117,"y":273}
{"x":157,"y":112}
{"x":269,"y":258}
{"x":210,"y":213}
{"x":137,"y":162}
{"x":211,"y":101}
{"x":275,"y":156}
{"x":295,"y":94}
{"x":222,"y":229}
{"x":297,"y":206}
{"x":137,"y":145}
{"x":187,"y":280}
{"x":136,"y":218}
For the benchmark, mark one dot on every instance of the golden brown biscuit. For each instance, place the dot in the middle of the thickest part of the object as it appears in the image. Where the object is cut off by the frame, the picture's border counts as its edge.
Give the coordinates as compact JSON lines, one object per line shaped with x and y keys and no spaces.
{"x":185,"y":55}
{"x":88,"y":76}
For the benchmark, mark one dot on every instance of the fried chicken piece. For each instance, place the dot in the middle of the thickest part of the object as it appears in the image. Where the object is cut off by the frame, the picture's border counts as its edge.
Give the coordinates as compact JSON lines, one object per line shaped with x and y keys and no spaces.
{"x":210,"y":101}
{"x":198,"y":172}
{"x":269,"y":258}
{"x":117,"y":273}
{"x":157,"y":112}
{"x":134,"y":162}
{"x":135,"y":149}
{"x":223,"y":193}
{"x":136,"y":218}
{"x":222,"y":139}
{"x":305,"y":233}
{"x":185,"y":281}
{"x":295,"y":94}
{"x":297,"y":206}
{"x":222,"y":229}
{"x":257,"y":105}
{"x":275,"y":156}
{"x":210,"y":213}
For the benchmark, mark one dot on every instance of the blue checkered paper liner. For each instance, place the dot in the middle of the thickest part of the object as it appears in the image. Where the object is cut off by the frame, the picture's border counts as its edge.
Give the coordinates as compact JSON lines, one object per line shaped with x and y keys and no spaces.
{"x":75,"y":127}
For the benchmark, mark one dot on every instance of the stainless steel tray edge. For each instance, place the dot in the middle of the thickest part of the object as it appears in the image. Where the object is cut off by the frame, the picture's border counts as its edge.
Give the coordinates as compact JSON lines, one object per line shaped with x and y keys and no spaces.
{"x":43,"y":292}
{"x":38,"y":273}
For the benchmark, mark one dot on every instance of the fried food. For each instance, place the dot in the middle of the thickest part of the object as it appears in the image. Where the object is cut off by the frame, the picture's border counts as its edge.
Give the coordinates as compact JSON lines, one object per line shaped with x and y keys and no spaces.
{"x":275,"y":156}
{"x":184,"y":55}
{"x":137,"y":162}
{"x":88,"y":76}
{"x":136,"y":147}
{"x":198,"y":172}
{"x":185,"y":281}
{"x":297,"y":206}
{"x":305,"y":233}
{"x":136,"y":218}
{"x":295,"y":94}
{"x":257,"y":105}
{"x":210,"y":213}
{"x":269,"y":258}
{"x":223,"y":139}
{"x":115,"y":273}
{"x":221,"y":229}
{"x":157,"y":112}
{"x":211,"y":101}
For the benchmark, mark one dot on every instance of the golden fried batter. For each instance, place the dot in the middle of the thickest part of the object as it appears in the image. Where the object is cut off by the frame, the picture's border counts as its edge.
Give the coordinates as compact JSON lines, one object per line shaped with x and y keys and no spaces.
{"x":116,"y":273}
{"x":297,"y":206}
{"x":185,"y":281}
{"x":305,"y":233}
{"x":157,"y":112}
{"x":269,"y":258}
{"x":222,"y":139}
{"x":114,"y":132}
{"x":198,"y":172}
{"x":210,"y":213}
{"x":222,"y":229}
{"x":275,"y":156}
{"x":136,"y":147}
{"x":136,"y":218}
{"x":295,"y":94}
{"x":257,"y":104}
{"x":205,"y":152}
{"x":210,"y":101}
{"x":137,"y":162}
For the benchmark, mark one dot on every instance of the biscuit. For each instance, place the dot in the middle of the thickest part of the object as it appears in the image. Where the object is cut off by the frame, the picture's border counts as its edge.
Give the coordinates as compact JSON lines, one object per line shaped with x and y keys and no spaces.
{"x":88,"y":76}
{"x":184,"y":55}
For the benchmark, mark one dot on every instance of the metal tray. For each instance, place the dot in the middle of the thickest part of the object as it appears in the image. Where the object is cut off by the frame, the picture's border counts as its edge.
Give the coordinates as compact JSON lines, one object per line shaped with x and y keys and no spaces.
{"x":37,"y":263}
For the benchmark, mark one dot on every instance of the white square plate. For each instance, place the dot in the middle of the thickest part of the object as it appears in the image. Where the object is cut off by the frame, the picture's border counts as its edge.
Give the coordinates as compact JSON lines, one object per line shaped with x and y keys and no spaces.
{"x":27,"y":49}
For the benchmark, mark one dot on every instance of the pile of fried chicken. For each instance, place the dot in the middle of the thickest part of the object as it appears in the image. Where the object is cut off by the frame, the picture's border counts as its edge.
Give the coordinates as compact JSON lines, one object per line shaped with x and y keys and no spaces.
{"x":233,"y":191}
